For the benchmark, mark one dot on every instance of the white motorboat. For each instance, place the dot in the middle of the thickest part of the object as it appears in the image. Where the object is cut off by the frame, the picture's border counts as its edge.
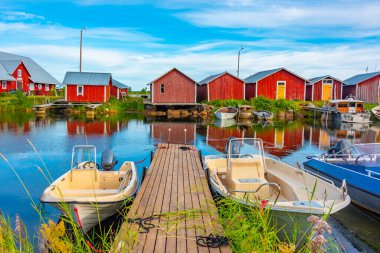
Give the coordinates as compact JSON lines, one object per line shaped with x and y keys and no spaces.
{"x":246,"y":175}
{"x":376,"y":111}
{"x":91,"y":194}
{"x":226,"y":113}
{"x":263,"y":115}
{"x":350,"y":110}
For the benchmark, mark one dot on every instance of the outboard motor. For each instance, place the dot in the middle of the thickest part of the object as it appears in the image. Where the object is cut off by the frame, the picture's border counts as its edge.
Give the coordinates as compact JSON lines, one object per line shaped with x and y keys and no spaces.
{"x":338,"y":147}
{"x":235,"y":146}
{"x":108,"y":161}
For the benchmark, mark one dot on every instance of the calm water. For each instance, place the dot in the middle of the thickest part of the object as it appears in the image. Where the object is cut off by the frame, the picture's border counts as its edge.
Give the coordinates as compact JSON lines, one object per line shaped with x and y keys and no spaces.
{"x":132,"y":137}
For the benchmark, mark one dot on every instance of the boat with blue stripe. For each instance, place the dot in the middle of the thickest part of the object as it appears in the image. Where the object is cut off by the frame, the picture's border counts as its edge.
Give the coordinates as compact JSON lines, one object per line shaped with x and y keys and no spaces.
{"x":358,"y":165}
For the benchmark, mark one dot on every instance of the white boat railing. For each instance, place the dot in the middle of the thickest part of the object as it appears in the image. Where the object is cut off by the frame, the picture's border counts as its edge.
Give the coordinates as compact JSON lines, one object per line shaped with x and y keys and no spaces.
{"x":246,"y":192}
{"x":327,"y":180}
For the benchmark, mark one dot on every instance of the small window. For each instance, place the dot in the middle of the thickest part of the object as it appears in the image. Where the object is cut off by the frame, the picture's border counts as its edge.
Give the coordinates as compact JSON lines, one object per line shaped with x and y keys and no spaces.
{"x":359,"y":105}
{"x":80,"y":90}
{"x":19,"y":73}
{"x":327,"y":81}
{"x":31,"y":86}
{"x":352,"y":104}
{"x":46,"y":87}
{"x":4,"y":85}
{"x":280,"y":83}
{"x":162,"y":88}
{"x":342,"y":105}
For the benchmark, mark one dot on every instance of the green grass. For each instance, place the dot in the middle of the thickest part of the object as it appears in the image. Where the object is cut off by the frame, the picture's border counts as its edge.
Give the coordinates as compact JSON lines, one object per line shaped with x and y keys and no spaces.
{"x":123,"y":105}
{"x":260,"y":103}
{"x":19,"y":101}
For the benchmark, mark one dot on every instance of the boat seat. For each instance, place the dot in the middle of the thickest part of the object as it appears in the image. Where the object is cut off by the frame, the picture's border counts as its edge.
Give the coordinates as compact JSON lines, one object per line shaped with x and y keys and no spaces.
{"x":247,"y":175}
{"x":218,"y":165}
{"x":84,"y":178}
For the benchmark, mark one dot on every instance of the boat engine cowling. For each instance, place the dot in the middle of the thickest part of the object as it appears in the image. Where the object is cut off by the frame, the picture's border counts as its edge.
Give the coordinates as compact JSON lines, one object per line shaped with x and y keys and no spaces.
{"x":341,"y":147}
{"x":108,"y":160}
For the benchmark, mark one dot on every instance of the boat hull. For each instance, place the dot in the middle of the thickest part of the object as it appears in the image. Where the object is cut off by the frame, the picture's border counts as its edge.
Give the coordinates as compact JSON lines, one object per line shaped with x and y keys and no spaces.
{"x":362,"y":117}
{"x":224,"y":115}
{"x":359,"y":196}
{"x":89,"y":214}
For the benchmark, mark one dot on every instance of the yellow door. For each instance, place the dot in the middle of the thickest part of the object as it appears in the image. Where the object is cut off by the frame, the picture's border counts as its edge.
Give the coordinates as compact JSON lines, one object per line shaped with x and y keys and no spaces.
{"x":280,"y":90}
{"x":378,"y":94}
{"x":326,"y":92}
{"x":279,"y":138}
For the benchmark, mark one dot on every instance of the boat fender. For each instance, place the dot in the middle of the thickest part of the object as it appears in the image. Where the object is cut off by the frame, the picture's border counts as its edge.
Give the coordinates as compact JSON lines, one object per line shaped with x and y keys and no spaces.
{"x":344,"y":189}
{"x":145,"y":170}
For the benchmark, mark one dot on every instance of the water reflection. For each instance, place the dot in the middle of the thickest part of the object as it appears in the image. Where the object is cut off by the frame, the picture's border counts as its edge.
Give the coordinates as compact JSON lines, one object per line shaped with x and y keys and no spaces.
{"x":132,"y":137}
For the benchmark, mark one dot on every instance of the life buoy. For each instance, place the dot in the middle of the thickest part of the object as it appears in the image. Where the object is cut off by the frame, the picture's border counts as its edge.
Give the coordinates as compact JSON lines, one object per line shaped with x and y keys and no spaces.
{"x":39,"y":86}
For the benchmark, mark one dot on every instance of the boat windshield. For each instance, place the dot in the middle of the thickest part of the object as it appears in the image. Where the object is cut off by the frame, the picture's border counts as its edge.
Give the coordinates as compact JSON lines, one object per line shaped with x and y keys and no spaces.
{"x":83,"y":157}
{"x":358,"y":153}
{"x":245,"y":149}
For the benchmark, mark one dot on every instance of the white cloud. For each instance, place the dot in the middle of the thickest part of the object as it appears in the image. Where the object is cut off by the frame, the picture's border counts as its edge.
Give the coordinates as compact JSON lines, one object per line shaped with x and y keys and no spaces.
{"x":19,"y":16}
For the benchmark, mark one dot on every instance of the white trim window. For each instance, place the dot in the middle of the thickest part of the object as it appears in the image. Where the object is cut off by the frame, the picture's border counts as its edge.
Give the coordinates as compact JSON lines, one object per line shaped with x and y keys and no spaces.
{"x":47,"y":87}
{"x":19,"y":73}
{"x":80,"y":90}
{"x":162,"y":88}
{"x":327,"y":81}
{"x":4,"y":85}
{"x":31,"y":86}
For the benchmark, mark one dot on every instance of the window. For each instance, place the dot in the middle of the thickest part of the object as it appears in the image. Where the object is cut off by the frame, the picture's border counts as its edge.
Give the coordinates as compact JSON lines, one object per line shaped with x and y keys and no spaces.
{"x":352,"y":104}
{"x":359,"y":105}
{"x":343,"y":105}
{"x":31,"y":86}
{"x":19,"y":73}
{"x":4,"y":85}
{"x":46,"y":87}
{"x":327,"y":81}
{"x":162,"y":88}
{"x":80,"y":90}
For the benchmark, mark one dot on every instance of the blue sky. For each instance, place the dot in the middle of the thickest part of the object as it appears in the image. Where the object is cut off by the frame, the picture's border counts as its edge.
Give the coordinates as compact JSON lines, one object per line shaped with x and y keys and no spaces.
{"x":139,"y":40}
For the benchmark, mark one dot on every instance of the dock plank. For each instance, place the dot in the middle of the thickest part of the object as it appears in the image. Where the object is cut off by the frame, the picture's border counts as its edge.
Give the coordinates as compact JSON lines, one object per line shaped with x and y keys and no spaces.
{"x":175,"y":192}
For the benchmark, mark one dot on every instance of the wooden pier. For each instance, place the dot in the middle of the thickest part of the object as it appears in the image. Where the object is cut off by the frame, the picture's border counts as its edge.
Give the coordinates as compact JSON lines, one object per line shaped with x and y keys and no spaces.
{"x":174,"y":206}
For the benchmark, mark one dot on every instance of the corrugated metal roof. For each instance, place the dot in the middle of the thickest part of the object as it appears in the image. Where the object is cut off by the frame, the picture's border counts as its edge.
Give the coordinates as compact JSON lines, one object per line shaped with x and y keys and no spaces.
{"x":319,"y":78}
{"x":37,"y":73}
{"x":86,"y":78}
{"x":4,"y":75}
{"x":119,"y":84}
{"x":11,"y":65}
{"x":360,"y":78}
{"x":213,"y":77}
{"x":262,"y":74}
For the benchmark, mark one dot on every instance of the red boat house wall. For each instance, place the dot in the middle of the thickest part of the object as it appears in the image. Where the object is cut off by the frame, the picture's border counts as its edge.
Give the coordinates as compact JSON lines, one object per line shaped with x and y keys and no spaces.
{"x":276,"y":84}
{"x":365,"y":87}
{"x":323,"y":88}
{"x":221,"y":86}
{"x":119,"y":90}
{"x":174,"y":87}
{"x":87,"y":87}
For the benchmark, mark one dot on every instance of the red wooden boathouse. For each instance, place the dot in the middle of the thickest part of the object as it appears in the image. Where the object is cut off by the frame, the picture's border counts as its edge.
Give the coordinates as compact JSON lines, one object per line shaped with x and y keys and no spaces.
{"x":173,"y":88}
{"x":22,"y":73}
{"x":119,"y":90}
{"x":277,"y":83}
{"x":365,"y":87}
{"x":87,"y":87}
{"x":221,"y":86}
{"x":323,"y":88}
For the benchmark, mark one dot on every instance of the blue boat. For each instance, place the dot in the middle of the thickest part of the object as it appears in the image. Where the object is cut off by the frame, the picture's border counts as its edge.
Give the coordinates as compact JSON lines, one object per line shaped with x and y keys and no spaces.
{"x":358,"y":165}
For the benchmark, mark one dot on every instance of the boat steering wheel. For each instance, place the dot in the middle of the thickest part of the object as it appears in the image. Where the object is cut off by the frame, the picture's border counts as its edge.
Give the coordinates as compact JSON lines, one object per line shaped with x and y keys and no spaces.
{"x":363,"y":155}
{"x":88,"y":164}
{"x":246,"y":155}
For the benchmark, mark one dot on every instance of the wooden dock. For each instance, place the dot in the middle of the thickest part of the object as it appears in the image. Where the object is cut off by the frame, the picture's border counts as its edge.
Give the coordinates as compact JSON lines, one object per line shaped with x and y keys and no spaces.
{"x":175,"y":204}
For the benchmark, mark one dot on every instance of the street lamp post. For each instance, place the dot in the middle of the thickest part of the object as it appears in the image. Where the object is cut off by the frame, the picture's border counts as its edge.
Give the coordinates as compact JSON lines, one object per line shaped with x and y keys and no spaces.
{"x":238,"y":70}
{"x":80,"y":50}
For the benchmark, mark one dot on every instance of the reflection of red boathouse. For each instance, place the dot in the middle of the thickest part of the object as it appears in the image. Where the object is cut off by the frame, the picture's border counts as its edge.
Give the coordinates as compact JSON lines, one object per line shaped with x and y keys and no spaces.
{"x":75,"y":127}
{"x":160,"y":132}
{"x":217,"y":137}
{"x":281,"y":141}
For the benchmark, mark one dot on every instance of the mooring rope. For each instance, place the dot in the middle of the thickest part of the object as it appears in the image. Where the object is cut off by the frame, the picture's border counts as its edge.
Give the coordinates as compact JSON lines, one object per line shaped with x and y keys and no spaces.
{"x":209,"y":241}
